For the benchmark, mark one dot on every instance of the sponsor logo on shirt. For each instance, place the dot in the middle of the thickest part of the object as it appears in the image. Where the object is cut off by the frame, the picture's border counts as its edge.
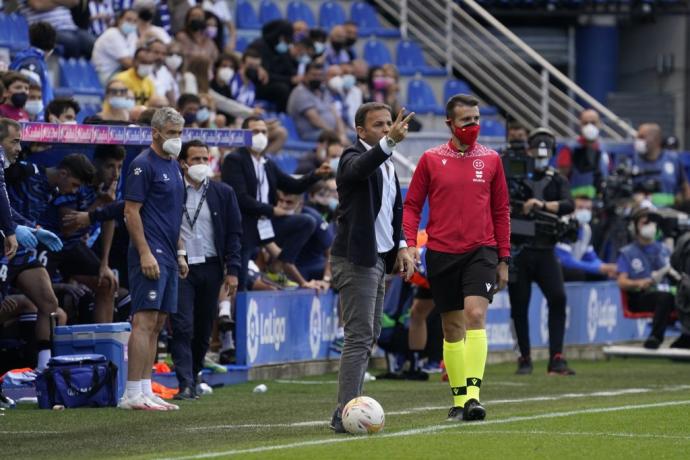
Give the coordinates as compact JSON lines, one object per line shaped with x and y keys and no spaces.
{"x":152,"y":295}
{"x":478,"y":171}
{"x":137,"y":171}
{"x":165,"y":177}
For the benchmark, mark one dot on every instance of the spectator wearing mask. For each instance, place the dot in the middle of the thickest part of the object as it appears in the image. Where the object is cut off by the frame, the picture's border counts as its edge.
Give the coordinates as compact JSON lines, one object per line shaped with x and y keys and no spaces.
{"x":15,"y":96}
{"x":211,"y":229}
{"x":642,"y":274}
{"x":585,"y":164}
{"x":336,"y":50}
{"x":62,"y":111}
{"x":32,"y":61}
{"x":189,"y":106}
{"x":312,"y":160}
{"x":34,"y":105}
{"x":75,"y":42}
{"x":214,"y":30}
{"x":114,"y":49}
{"x":174,"y":64}
{"x":194,"y":39}
{"x":274,"y":46}
{"x":311,"y":107}
{"x":668,"y":173}
{"x":579,"y":260}
{"x":146,"y":30}
{"x":117,"y":102}
{"x":319,"y":37}
{"x":351,"y":36}
{"x":256,"y":179}
{"x":303,"y":53}
{"x":346,"y":98}
{"x":163,"y":79}
{"x":138,"y":78}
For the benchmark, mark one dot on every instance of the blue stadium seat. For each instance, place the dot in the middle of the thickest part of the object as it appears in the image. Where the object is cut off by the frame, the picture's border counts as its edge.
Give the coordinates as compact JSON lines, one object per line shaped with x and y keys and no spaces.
{"x":297,"y":10}
{"x":79,"y":76}
{"x":488,"y":111}
{"x":286,"y":162}
{"x":331,"y":14}
{"x":421,"y":99}
{"x":376,"y":53}
{"x":453,"y":87}
{"x":492,"y":128}
{"x":410,"y":60}
{"x":87,"y":110}
{"x":294,"y":142}
{"x":246,"y":16}
{"x":14,"y":32}
{"x":366,"y":19}
{"x":268,"y":11}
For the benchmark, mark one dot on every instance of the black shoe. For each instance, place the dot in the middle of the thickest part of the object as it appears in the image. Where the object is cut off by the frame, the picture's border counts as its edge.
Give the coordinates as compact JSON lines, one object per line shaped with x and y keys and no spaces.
{"x":224,"y":323}
{"x":455,"y":414}
{"x":416,"y":375}
{"x":473,"y":410}
{"x":227,"y":356}
{"x":337,"y":422}
{"x":524,"y":365}
{"x":682,"y":342}
{"x":559,"y":366}
{"x":652,"y":343}
{"x":186,"y":394}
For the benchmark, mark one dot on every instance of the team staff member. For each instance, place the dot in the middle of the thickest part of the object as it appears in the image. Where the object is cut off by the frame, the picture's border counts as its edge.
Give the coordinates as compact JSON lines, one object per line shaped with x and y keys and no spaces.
{"x":211,"y":230}
{"x":537,"y":261}
{"x":368,"y":240}
{"x":154,"y":196}
{"x":467,"y":239}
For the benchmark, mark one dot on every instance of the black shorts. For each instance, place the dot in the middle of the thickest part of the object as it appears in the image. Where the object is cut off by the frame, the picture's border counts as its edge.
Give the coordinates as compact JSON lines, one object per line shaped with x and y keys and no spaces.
{"x":453,"y":277}
{"x":423,"y":293}
{"x":78,"y":259}
{"x":10,"y":272}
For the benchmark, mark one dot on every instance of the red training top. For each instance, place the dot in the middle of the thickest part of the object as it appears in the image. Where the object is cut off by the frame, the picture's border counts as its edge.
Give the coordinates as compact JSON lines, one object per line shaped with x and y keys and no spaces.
{"x":469,"y":205}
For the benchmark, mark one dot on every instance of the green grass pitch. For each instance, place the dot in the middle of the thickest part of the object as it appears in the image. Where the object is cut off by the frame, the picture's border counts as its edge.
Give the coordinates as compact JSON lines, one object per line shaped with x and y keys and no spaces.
{"x":623,"y":408}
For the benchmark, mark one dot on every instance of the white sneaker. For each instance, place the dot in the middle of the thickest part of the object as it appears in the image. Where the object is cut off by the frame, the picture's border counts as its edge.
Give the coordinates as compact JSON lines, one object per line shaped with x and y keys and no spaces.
{"x":139,"y":402}
{"x":155,"y":399}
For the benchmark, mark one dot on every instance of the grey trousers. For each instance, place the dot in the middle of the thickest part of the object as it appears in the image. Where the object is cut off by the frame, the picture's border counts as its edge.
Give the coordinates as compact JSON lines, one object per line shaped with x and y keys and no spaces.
{"x":361,"y":299}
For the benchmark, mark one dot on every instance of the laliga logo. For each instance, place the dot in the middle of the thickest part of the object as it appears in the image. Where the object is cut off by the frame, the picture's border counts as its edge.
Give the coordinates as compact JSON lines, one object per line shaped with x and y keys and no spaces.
{"x":253,"y":330}
{"x":315,"y":327}
{"x":600,"y":315}
{"x":263,"y":330}
{"x":478,"y":173}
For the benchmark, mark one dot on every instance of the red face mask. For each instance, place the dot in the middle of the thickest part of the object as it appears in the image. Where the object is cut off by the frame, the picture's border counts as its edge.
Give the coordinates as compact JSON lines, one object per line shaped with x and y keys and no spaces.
{"x":467,"y":135}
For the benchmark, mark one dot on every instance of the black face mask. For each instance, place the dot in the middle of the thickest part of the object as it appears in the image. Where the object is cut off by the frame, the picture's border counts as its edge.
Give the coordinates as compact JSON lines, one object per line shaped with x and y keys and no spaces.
{"x":252,"y":75}
{"x":314,"y":84}
{"x":19,"y":99}
{"x":146,"y":15}
{"x":338,"y":45}
{"x":189,"y":118}
{"x":350,"y":42}
{"x":196,"y":25}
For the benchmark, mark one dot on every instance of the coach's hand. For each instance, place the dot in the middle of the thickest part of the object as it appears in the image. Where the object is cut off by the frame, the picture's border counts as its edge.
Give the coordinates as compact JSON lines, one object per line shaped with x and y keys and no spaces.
{"x":149,"y":266}
{"x":184,"y":268}
{"x":501,"y":276}
{"x":399,"y":128}
{"x":405,"y":264}
{"x":11,"y":246}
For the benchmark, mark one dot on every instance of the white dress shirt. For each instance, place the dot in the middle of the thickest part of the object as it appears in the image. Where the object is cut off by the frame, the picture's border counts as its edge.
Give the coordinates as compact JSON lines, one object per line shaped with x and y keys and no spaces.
{"x":203,"y":227}
{"x":261,"y":179}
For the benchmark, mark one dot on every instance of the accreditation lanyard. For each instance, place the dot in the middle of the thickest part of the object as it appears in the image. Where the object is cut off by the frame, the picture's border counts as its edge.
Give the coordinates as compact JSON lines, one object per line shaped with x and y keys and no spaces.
{"x":191,"y":222}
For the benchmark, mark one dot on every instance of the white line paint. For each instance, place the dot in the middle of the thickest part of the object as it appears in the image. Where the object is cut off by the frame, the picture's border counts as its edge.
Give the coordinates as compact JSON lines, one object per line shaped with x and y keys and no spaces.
{"x":335,"y":382}
{"x":412,"y":410}
{"x":432,"y":429}
{"x":31,"y":432}
{"x":581,"y":433}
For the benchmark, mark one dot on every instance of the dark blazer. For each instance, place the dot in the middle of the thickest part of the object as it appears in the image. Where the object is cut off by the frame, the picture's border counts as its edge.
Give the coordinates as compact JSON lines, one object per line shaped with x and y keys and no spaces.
{"x":227,"y":225}
{"x":238,"y":171}
{"x":360,"y":191}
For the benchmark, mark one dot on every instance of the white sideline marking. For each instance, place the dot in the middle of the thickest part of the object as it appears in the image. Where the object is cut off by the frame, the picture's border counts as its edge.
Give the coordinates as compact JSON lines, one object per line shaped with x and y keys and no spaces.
{"x":334,"y":382}
{"x":32,"y":432}
{"x":584,"y":433}
{"x":431,"y":429}
{"x":621,"y":392}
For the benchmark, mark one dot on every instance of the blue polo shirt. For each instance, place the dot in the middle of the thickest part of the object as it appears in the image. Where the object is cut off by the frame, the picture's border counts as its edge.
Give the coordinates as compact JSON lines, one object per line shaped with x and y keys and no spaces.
{"x":157,"y":183}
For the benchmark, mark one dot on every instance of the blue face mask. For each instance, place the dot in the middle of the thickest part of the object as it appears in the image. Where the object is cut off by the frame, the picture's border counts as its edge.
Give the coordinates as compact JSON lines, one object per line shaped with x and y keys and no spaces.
{"x":121,"y":103}
{"x":332,"y":203}
{"x":203,"y":115}
{"x":304,"y":59}
{"x":282,"y":47}
{"x":348,"y":81}
{"x":334,"y":164}
{"x":128,"y":28}
{"x":319,"y":48}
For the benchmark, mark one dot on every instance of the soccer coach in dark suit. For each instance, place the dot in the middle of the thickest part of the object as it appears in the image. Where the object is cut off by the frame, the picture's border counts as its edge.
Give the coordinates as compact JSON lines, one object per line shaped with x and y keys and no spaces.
{"x":368,"y":240}
{"x":211,"y":230}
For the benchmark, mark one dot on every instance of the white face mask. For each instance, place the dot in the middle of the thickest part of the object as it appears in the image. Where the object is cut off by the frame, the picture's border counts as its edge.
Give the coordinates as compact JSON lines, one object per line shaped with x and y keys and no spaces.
{"x":69,"y":122}
{"x":336,"y":84}
{"x":640,"y":146}
{"x":259,"y":142}
{"x":172,"y":146}
{"x":174,"y":61}
{"x":34,"y":107}
{"x":144,"y":70}
{"x":541,"y":163}
{"x":199,"y":172}
{"x":289,"y":212}
{"x":648,"y":231}
{"x":590,"y":132}
{"x":583,"y":216}
{"x":226,"y":74}
{"x":334,"y":162}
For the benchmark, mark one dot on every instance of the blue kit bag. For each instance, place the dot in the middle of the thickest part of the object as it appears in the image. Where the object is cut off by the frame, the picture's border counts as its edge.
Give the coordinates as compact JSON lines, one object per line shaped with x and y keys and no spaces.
{"x":87,"y":380}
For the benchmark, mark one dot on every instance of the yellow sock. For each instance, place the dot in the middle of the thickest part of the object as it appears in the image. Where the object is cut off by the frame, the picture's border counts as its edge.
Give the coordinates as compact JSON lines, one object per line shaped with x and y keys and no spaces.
{"x":454,"y":359}
{"x":476,"y":349}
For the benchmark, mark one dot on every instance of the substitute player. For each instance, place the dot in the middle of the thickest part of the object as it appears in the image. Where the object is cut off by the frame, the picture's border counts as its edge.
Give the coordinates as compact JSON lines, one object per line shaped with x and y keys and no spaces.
{"x":468,"y":250}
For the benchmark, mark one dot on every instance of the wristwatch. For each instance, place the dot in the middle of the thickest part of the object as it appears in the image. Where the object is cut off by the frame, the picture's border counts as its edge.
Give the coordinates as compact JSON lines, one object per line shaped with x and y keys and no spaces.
{"x":391,"y":143}
{"x":506,"y":260}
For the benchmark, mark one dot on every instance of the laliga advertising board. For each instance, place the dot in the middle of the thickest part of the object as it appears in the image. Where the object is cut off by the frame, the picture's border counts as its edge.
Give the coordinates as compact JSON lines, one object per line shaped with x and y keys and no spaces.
{"x":294,"y":326}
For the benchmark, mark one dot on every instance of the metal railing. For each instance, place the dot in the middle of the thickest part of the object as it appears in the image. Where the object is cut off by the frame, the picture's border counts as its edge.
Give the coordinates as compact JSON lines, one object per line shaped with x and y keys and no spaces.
{"x":468,"y":38}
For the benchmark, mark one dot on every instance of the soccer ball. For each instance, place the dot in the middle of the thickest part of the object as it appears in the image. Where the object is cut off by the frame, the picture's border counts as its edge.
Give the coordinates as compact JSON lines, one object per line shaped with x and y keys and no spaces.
{"x":363,"y":415}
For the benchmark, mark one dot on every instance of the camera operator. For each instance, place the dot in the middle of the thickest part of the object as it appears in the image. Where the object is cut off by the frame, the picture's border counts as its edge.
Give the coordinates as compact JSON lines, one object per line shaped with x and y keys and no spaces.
{"x":548,"y":196}
{"x":585,"y":164}
{"x":642,"y":267}
{"x":663,"y":167}
{"x":516,"y":139}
